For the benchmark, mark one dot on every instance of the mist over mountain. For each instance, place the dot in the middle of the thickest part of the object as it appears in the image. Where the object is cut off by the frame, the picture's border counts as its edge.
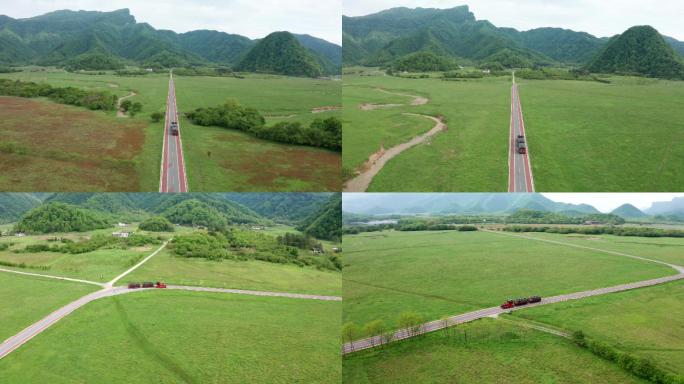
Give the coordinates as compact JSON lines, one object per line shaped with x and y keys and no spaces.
{"x":674,"y":207}
{"x":381,"y":38}
{"x":115,"y":38}
{"x":462,"y":203}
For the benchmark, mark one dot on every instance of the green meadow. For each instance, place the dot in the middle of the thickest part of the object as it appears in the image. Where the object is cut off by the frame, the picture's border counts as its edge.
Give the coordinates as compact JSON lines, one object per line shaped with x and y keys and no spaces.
{"x":27,"y":299}
{"x":249,"y":274}
{"x":470,"y":156}
{"x":185,"y":337}
{"x":449,"y":272}
{"x":646,"y":322}
{"x":217,"y":159}
{"x":492,"y":352}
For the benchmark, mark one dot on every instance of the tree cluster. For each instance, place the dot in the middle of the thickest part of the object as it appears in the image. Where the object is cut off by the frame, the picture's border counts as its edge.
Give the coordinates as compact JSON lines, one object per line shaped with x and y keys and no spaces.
{"x":60,"y":217}
{"x":93,"y":62}
{"x":94,"y":100}
{"x":596,"y":230}
{"x":157,"y":224}
{"x":326,"y":133}
{"x":424,"y":61}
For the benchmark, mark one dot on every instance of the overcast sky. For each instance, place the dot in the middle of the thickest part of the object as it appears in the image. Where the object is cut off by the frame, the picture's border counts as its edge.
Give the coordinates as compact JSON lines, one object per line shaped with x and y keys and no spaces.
{"x":598,"y":17}
{"x":251,"y":18}
{"x":604,"y":202}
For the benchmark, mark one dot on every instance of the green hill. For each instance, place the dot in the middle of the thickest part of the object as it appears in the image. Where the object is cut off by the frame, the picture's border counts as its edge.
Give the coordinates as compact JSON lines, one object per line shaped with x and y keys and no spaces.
{"x":289,"y":207}
{"x":326,"y":222}
{"x":628,"y":211}
{"x":640,"y":50}
{"x":423,"y":61}
{"x":60,"y":217}
{"x":14,"y":205}
{"x":281,"y":53}
{"x":93,"y":40}
{"x":196,"y":213}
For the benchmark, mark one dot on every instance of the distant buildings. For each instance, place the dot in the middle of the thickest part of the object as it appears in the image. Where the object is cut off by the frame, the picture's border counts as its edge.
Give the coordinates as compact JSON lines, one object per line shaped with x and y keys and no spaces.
{"x":121,"y":235}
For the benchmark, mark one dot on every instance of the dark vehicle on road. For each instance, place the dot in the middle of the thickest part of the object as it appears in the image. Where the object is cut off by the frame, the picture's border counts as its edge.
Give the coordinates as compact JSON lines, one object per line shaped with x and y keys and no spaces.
{"x":507,"y":304}
{"x":521,"y":301}
{"x":133,"y":285}
{"x":148,"y":284}
{"x":535,"y":299}
{"x":174,"y":128}
{"x":160,"y":284}
{"x":520,"y":144}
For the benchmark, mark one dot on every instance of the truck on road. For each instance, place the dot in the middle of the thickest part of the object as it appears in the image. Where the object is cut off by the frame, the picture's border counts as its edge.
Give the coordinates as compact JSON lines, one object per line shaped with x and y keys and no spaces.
{"x":520,"y":144}
{"x":174,"y":128}
{"x":510,"y":303}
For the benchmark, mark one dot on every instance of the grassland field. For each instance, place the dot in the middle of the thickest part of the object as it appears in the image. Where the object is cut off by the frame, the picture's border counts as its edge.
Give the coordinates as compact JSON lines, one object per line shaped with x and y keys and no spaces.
{"x":470,"y":156}
{"x":495,"y":352}
{"x":236,"y":160}
{"x":582,"y":135}
{"x":647,"y":322}
{"x":103,"y":265}
{"x":27,"y":299}
{"x":185,"y":337}
{"x":443,"y":273}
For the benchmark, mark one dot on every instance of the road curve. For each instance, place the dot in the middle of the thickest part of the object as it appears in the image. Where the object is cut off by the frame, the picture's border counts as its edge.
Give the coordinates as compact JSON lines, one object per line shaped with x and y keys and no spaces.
{"x":436,"y":325}
{"x":172,"y":175}
{"x":519,"y":169}
{"x":375,"y":163}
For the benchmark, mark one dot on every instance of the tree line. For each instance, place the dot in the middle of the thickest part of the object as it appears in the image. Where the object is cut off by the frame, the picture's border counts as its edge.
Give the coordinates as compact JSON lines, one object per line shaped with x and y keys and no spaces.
{"x":601,"y":230}
{"x":60,"y":217}
{"x":94,"y":100}
{"x":324,"y":133}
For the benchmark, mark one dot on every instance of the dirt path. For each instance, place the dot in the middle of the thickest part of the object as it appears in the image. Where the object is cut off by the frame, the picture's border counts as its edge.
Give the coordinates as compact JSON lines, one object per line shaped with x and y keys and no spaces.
{"x":378,"y":160}
{"x":119,"y":112}
{"x":417,"y":100}
{"x":326,"y":109}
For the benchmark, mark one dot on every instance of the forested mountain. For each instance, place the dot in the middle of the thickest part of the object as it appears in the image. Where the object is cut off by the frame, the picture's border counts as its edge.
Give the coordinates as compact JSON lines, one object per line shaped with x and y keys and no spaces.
{"x":326,"y":222}
{"x":289,"y":207}
{"x":639,"y":50}
{"x":462,"y":203}
{"x":384,"y":37}
{"x":628,"y":211}
{"x":314,"y":212}
{"x":14,"y":205}
{"x":281,"y":52}
{"x":109,"y":40}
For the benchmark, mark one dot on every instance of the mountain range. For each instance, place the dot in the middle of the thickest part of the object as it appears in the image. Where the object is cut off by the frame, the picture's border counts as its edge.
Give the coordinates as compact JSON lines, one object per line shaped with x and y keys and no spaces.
{"x":116,"y":38}
{"x":491,"y":203}
{"x":314,"y":214}
{"x":381,"y":38}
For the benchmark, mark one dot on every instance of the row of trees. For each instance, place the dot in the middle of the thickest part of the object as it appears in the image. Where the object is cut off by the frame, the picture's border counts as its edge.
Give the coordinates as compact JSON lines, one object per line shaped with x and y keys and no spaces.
{"x":94,"y":100}
{"x":595,"y":230}
{"x":238,"y":244}
{"x":97,"y":241}
{"x":379,"y":334}
{"x":325,"y":133}
{"x":639,"y":366}
{"x":424,"y":61}
{"x":435,"y":227}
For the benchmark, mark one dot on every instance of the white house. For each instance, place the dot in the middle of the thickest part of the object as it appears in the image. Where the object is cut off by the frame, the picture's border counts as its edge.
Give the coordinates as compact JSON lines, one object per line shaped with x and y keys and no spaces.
{"x":122,"y":235}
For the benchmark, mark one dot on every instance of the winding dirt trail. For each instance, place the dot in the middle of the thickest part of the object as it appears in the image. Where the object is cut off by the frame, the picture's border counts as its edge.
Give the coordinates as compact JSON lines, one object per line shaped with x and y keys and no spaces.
{"x":417,"y":100}
{"x":378,"y":160}
{"x":119,"y":112}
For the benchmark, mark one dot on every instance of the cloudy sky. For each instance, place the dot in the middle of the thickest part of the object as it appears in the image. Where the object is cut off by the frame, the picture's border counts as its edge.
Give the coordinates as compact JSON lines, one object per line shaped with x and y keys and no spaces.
{"x":598,"y":17}
{"x":254,"y":19}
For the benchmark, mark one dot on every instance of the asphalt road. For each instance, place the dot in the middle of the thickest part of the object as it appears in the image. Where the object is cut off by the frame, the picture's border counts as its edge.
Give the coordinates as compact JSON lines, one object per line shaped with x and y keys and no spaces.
{"x":519,"y":169}
{"x":173,"y":178}
{"x":432,"y":326}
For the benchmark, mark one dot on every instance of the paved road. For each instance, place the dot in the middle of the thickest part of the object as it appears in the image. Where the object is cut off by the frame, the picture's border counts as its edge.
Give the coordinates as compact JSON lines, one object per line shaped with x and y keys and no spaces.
{"x":494,"y":311}
{"x":30,"y":332}
{"x":519,"y":169}
{"x":173,"y":178}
